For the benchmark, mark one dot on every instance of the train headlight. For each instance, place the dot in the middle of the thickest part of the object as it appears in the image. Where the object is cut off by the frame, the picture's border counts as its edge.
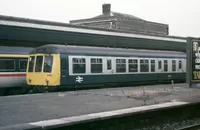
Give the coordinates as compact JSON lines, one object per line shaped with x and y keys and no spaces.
{"x":29,"y":80}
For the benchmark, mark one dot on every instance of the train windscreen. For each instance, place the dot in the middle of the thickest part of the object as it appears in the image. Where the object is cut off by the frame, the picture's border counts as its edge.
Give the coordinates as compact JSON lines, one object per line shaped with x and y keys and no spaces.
{"x":48,"y":64}
{"x":31,"y":63}
{"x":38,"y":64}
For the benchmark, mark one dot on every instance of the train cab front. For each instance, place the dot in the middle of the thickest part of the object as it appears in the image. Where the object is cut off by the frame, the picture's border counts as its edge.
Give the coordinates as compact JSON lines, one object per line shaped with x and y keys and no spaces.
{"x":43,"y":70}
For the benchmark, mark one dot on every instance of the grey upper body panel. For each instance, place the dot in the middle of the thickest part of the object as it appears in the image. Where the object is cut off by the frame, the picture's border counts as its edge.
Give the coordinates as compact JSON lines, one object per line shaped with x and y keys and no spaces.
{"x":105,"y":51}
{"x":15,"y":50}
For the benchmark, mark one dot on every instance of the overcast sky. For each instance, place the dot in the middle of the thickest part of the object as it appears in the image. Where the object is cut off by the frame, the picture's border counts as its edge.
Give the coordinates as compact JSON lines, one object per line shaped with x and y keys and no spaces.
{"x":182,"y":16}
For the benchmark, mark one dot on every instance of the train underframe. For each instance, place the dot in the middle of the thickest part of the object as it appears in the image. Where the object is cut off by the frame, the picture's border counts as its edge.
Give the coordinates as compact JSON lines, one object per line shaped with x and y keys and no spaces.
{"x":46,"y":89}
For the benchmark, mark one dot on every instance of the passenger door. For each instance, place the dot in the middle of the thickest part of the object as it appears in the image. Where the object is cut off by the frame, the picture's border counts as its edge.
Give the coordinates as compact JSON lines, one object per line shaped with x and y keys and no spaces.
{"x":108,"y":69}
{"x":64,"y":69}
{"x":160,"y":65}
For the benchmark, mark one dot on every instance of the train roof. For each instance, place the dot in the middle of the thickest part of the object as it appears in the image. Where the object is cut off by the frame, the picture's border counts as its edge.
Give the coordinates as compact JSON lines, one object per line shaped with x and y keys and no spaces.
{"x":15,"y":50}
{"x":104,"y":51}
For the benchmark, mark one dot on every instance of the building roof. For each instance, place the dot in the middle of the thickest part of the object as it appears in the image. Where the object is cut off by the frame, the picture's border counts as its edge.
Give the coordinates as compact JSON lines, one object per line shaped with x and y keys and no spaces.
{"x":118,"y":15}
{"x":124,"y":22}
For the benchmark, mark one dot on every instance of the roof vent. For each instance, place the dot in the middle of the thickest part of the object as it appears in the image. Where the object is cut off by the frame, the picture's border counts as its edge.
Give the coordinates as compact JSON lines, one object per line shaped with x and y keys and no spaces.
{"x":106,"y":8}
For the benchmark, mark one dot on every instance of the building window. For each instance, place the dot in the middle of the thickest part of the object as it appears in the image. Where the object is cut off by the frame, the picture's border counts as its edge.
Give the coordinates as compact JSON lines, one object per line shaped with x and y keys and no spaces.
{"x":144,"y":66}
{"x":78,"y":65}
{"x":173,"y":65}
{"x":180,"y":64}
{"x":152,"y":65}
{"x":165,"y":65}
{"x":133,"y":65}
{"x":38,"y":64}
{"x":109,"y":64}
{"x":31,"y":63}
{"x":159,"y":64}
{"x":23,"y":64}
{"x":48,"y":62}
{"x":120,"y":65}
{"x":96,"y":65}
{"x":7,"y":65}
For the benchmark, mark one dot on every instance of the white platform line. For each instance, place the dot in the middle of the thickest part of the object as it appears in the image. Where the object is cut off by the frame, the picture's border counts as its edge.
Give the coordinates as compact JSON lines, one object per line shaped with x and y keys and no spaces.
{"x":103,"y":115}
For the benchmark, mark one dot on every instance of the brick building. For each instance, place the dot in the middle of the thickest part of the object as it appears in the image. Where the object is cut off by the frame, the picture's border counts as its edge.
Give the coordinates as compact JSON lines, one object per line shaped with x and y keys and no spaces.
{"x":122,"y":22}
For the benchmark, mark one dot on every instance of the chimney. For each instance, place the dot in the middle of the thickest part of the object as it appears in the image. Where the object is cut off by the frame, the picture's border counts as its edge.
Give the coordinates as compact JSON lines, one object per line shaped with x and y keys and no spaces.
{"x":106,"y":8}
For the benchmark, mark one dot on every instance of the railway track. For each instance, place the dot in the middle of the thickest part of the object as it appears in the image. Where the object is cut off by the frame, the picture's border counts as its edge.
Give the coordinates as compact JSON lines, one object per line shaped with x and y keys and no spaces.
{"x":191,"y":127}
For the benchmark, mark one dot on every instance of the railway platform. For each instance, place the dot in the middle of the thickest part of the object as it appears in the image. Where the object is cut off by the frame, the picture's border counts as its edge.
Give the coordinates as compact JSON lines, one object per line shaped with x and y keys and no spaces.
{"x":50,"y":109}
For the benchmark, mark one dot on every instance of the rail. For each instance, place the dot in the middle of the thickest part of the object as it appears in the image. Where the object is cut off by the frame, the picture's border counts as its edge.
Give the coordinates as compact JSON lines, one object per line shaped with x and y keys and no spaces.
{"x":191,"y":127}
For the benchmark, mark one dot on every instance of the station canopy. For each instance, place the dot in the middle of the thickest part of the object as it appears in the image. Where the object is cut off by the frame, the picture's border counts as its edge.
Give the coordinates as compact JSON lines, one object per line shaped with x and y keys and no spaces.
{"x":16,"y":31}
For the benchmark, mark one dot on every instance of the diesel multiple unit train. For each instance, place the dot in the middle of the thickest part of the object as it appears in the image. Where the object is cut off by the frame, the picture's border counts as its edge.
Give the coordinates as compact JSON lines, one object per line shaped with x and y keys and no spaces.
{"x":51,"y":66}
{"x":13,"y":64}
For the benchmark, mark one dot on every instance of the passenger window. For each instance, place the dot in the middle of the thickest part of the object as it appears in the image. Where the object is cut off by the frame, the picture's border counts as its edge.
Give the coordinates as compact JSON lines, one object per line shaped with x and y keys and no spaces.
{"x":173,"y":65}
{"x":180,"y":64}
{"x":144,"y":66}
{"x":7,"y":64}
{"x":133,"y":65}
{"x":96,"y":65}
{"x":78,"y":65}
{"x":23,"y":64}
{"x":120,"y":65}
{"x":38,"y":64}
{"x":48,"y":62}
{"x":152,"y":65}
{"x":159,"y":64}
{"x":165,"y":65}
{"x":109,"y":64}
{"x":31,"y":63}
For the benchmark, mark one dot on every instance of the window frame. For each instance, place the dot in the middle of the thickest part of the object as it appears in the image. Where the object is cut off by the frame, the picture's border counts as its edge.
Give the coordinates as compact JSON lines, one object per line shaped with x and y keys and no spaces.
{"x":166,"y":64}
{"x":144,"y":64}
{"x":153,"y":64}
{"x":85,"y":63}
{"x":20,"y":64}
{"x":43,"y":68}
{"x":9,"y":69}
{"x":133,"y":63}
{"x":42,"y":65}
{"x":174,"y":65}
{"x":33,"y":68}
{"x":110,"y":67}
{"x":159,"y":64}
{"x":96,"y":63}
{"x":180,"y":66}
{"x":120,"y":58}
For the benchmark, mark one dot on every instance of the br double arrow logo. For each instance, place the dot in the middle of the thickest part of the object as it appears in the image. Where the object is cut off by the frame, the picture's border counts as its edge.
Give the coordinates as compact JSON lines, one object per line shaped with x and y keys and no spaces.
{"x":79,"y":79}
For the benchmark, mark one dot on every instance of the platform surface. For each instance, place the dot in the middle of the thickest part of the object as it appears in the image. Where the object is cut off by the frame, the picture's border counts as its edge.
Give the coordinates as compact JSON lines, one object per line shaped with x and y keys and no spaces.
{"x":38,"y":107}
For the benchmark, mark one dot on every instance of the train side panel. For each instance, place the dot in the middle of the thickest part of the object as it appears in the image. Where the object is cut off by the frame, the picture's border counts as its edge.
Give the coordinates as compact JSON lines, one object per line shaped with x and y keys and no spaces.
{"x":123,"y":78}
{"x":163,"y":74}
{"x":13,"y":70}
